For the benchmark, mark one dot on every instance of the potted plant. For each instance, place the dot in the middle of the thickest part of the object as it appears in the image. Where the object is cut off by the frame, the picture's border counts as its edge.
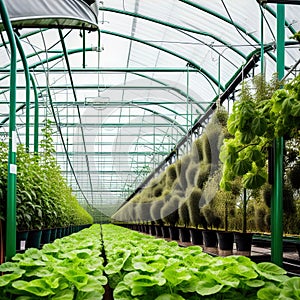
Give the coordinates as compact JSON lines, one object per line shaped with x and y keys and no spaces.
{"x":210,"y":240}
{"x":169,"y":214}
{"x":183,"y":213}
{"x":195,"y":202}
{"x":156,"y":216}
{"x":261,"y":115}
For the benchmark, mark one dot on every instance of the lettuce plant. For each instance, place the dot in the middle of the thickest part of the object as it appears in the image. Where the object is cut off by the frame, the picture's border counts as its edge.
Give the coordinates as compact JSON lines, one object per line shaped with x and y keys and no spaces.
{"x":70,"y":268}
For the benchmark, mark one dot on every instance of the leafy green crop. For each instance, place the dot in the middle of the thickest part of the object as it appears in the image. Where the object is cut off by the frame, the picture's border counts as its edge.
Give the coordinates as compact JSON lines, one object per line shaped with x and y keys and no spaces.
{"x":70,"y":268}
{"x":142,"y":267}
{"x":139,"y":267}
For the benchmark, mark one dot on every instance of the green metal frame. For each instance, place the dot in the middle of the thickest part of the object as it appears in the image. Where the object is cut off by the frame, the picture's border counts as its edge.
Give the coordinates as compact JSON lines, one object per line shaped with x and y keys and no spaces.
{"x":195,"y":65}
{"x":27,"y":80}
{"x":11,"y":226}
{"x":277,"y":193}
{"x":174,"y":26}
{"x":225,"y":19}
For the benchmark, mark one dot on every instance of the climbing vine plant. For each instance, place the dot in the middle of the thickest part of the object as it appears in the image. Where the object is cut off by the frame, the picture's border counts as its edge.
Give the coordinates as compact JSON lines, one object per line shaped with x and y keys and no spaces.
{"x":258,"y":117}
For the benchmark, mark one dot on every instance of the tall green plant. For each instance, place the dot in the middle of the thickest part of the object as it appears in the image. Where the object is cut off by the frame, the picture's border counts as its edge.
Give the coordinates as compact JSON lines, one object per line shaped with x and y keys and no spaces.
{"x":257,"y":118}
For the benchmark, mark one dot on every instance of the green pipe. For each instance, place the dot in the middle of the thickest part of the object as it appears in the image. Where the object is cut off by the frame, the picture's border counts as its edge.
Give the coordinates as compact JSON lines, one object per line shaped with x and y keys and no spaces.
{"x":112,"y":70}
{"x":277,"y":196}
{"x":11,"y":226}
{"x":262,"y":68}
{"x":200,"y":69}
{"x":36,"y":116}
{"x":287,"y":24}
{"x":174,"y":26}
{"x":83,"y":49}
{"x":27,"y":80}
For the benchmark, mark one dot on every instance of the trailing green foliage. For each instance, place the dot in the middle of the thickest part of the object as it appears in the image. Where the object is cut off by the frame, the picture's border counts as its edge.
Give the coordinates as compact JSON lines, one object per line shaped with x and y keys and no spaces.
{"x":169,"y":211}
{"x":70,"y":268}
{"x":195,"y":202}
{"x":256,"y":120}
{"x":171,"y":175}
{"x":183,"y":213}
{"x":155,"y":211}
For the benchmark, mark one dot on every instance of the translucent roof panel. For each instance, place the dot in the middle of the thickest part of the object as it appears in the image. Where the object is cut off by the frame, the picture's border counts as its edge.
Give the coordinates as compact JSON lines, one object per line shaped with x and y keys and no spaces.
{"x":124,"y":97}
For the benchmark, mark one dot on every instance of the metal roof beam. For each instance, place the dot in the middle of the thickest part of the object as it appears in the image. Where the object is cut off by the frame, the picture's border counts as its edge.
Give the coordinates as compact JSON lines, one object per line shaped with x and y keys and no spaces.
{"x":189,"y":61}
{"x":111,"y":70}
{"x":174,"y":26}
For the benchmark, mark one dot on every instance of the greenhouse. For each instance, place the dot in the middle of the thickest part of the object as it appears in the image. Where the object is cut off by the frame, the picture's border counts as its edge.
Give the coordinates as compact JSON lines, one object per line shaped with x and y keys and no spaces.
{"x":149,"y":149}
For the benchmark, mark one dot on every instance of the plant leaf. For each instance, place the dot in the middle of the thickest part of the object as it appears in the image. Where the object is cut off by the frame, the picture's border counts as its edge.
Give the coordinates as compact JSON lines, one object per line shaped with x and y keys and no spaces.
{"x":169,"y":297}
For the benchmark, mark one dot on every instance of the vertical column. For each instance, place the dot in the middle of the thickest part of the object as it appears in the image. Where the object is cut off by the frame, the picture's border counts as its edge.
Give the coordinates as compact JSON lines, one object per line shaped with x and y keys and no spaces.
{"x":277,"y":197}
{"x":12,"y":157}
{"x":262,"y":50}
{"x":27,"y":79}
{"x":36,"y":117}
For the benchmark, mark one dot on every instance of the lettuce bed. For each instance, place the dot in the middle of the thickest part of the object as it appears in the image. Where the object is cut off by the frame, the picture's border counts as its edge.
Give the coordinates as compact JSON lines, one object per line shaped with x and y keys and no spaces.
{"x":139,"y":267}
{"x":69,"y":268}
{"x":143,"y":267}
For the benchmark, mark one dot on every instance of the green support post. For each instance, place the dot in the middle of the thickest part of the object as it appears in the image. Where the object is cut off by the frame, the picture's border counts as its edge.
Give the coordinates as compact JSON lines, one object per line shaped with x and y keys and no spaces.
{"x":262,"y":50}
{"x":83,"y":49}
{"x":27,"y":80}
{"x":11,"y":225}
{"x":277,"y":196}
{"x":36,"y":117}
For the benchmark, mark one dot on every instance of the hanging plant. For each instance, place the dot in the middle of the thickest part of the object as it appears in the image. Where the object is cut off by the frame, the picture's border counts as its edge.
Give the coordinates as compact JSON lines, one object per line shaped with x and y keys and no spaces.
{"x":256,"y":120}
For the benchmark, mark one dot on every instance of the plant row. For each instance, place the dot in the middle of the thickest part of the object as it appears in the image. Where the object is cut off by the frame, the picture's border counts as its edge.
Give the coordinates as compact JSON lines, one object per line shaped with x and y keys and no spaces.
{"x":69,"y":268}
{"x":201,"y":190}
{"x":44,"y":199}
{"x":142,"y":267}
{"x":139,"y":267}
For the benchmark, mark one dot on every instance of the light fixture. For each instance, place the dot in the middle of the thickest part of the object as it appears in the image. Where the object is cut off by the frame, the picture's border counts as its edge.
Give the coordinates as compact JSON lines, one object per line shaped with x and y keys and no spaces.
{"x":264,"y":2}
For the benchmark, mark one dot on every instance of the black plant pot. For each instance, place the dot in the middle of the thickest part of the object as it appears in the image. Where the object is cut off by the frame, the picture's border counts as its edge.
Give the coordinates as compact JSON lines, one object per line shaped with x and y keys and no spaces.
{"x":243,"y":243}
{"x":67,"y":230}
{"x":21,"y":240}
{"x":210,"y":241}
{"x":152,"y":230}
{"x":53,"y":234}
{"x":46,"y":234}
{"x":59,"y":233}
{"x":184,"y":235}
{"x":196,"y":236}
{"x":34,"y":239}
{"x":165,"y":231}
{"x":174,"y":233}
{"x":225,"y":241}
{"x":158,"y":231}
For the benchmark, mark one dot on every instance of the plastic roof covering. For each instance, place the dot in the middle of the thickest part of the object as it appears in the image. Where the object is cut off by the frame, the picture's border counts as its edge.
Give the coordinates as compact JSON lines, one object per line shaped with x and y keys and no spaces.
{"x":138,"y":89}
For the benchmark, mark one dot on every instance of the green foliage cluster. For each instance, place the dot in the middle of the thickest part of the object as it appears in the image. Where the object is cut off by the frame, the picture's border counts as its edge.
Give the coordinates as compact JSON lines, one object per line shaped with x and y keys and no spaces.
{"x":263,"y":113}
{"x":176,"y":196}
{"x":44,"y":199}
{"x":256,"y":120}
{"x":70,"y":268}
{"x":142,"y":267}
{"x":3,"y":178}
